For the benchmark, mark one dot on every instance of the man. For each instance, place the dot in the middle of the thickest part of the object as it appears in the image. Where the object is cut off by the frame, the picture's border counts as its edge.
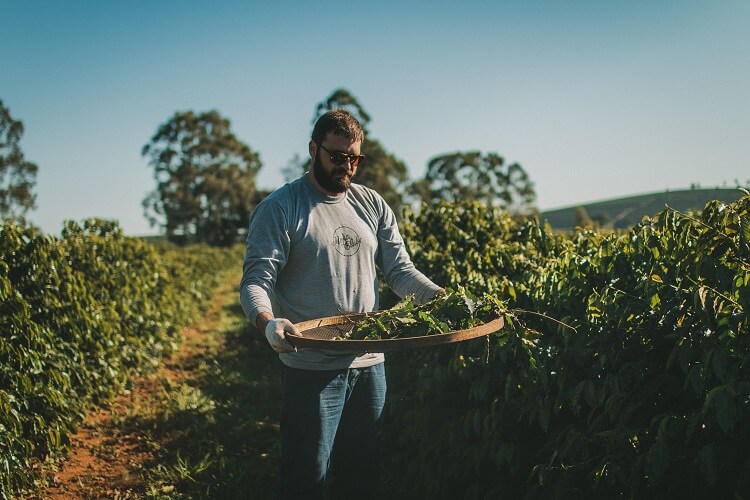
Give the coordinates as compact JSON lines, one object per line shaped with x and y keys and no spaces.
{"x":312,"y":250}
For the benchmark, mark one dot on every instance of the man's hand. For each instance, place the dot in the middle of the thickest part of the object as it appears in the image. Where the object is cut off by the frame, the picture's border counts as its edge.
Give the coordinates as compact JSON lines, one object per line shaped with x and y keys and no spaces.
{"x":276,"y":329}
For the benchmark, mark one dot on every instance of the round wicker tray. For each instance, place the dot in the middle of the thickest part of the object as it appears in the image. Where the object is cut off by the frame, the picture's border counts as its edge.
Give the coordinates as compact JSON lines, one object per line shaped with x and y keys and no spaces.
{"x":320,"y":334}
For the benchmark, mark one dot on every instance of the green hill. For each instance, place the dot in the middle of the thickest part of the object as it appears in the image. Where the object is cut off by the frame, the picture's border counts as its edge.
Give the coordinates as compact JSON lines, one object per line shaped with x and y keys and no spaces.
{"x":626,"y":212}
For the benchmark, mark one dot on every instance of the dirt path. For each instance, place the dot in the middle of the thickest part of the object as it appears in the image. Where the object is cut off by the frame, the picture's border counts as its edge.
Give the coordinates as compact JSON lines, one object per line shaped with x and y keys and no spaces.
{"x":102,"y":463}
{"x":106,"y":458}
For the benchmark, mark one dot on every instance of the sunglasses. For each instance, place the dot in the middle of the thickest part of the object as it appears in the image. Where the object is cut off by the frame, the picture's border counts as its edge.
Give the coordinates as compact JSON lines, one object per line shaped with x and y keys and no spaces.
{"x":338,"y":158}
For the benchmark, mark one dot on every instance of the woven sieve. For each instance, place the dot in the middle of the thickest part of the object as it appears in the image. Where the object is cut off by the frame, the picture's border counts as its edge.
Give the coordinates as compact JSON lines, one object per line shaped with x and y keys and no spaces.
{"x":325,"y":333}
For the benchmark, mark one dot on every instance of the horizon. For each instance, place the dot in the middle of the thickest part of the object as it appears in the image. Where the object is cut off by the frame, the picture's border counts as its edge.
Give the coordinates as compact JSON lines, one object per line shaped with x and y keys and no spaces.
{"x":653,"y":193}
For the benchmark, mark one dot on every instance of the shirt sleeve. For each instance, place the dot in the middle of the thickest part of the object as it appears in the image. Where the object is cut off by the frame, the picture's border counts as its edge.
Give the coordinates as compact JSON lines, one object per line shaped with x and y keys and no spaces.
{"x":265,"y":256}
{"x":394,"y":261}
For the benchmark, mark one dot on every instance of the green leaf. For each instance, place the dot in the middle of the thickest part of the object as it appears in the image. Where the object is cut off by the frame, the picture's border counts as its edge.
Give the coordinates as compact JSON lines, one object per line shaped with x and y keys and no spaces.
{"x":655,"y":300}
{"x":745,"y":233}
{"x":707,"y":463}
{"x":504,"y":453}
{"x":695,"y":378}
{"x":718,"y":361}
{"x":657,"y":460}
{"x":722,"y":401}
{"x":544,"y":416}
{"x":589,"y":393}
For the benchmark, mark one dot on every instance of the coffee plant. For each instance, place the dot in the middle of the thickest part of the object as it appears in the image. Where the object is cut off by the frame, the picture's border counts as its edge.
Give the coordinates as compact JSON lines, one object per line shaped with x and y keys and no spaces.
{"x":626,"y":376}
{"x":80,"y":315}
{"x":454,"y":310}
{"x":622,"y":371}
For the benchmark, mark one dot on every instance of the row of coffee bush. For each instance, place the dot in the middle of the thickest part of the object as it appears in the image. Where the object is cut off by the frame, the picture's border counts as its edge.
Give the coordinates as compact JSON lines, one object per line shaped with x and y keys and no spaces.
{"x":623,"y":372}
{"x":80,"y":316}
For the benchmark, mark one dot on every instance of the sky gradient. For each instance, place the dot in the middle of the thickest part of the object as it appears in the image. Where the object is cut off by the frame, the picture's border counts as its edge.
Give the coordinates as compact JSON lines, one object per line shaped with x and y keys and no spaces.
{"x":594,"y":99}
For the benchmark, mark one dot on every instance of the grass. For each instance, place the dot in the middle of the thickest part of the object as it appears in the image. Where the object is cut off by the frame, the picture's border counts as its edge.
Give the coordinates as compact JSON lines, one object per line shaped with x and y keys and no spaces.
{"x":212,"y":424}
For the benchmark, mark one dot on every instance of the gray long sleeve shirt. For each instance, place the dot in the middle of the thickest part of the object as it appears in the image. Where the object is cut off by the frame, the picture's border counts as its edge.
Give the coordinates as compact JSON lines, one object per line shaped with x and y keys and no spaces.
{"x":310,"y":255}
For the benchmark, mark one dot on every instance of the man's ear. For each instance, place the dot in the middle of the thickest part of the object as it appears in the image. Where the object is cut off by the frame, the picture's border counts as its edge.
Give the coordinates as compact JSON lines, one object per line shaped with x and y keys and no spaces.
{"x":312,"y":148}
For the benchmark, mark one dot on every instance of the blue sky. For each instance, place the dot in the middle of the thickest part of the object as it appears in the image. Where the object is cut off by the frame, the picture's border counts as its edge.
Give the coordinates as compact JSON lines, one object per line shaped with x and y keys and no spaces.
{"x":595,"y":99}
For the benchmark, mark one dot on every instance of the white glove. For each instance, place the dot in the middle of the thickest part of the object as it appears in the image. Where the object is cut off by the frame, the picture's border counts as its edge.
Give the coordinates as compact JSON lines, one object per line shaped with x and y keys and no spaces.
{"x":275,"y":334}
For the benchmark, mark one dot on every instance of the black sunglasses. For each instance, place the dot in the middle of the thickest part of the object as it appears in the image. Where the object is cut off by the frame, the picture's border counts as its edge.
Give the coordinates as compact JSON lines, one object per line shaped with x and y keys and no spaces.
{"x":338,"y":158}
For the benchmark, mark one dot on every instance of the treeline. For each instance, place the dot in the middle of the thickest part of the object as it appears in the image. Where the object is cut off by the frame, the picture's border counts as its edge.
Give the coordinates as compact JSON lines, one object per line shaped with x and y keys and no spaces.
{"x":80,"y":315}
{"x":205,"y":175}
{"x":624,"y":371}
{"x":206,"y":187}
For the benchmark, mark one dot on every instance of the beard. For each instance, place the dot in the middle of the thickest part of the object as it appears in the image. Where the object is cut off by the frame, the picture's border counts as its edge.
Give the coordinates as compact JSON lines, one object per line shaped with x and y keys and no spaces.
{"x":336,"y":182}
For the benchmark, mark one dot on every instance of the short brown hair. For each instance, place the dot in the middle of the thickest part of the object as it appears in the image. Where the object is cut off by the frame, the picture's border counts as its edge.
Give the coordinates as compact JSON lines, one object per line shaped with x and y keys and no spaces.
{"x":339,"y":122}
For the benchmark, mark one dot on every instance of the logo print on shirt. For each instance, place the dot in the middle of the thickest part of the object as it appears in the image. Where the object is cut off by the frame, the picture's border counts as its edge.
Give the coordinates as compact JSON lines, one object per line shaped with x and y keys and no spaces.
{"x":346,"y":241}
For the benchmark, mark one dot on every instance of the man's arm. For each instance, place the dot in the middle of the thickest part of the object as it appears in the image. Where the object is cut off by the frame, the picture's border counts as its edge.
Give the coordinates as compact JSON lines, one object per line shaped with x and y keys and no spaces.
{"x":262,"y":320}
{"x":265,"y":256}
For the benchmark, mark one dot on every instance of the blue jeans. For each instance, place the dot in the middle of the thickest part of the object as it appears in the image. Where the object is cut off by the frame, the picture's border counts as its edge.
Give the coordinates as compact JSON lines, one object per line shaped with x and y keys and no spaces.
{"x":331,"y":420}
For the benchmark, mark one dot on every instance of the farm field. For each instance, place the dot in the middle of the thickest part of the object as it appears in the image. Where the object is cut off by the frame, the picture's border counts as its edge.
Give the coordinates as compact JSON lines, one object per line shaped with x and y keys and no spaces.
{"x":623,"y":369}
{"x":203,"y":425}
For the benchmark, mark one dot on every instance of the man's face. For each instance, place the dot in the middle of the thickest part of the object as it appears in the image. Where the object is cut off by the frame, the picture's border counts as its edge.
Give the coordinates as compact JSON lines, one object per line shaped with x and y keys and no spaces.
{"x":331,"y":177}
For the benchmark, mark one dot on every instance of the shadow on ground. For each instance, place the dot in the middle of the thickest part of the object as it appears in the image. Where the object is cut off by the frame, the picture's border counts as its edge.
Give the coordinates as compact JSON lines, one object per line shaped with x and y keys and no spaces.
{"x":218,"y":430}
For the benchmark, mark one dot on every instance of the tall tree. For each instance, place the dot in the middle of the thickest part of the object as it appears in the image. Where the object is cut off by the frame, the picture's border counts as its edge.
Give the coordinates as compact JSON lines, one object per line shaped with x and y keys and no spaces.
{"x":205,"y":179}
{"x":476,"y":176}
{"x":342,"y":98}
{"x":381,"y":171}
{"x":17,"y":175}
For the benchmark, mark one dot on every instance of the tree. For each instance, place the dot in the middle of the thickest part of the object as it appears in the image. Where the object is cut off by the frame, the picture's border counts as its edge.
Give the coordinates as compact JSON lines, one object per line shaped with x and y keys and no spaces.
{"x":474,"y":176}
{"x":384,"y":173}
{"x":381,"y":170}
{"x":342,"y":98}
{"x":205,"y":179}
{"x":17,"y":175}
